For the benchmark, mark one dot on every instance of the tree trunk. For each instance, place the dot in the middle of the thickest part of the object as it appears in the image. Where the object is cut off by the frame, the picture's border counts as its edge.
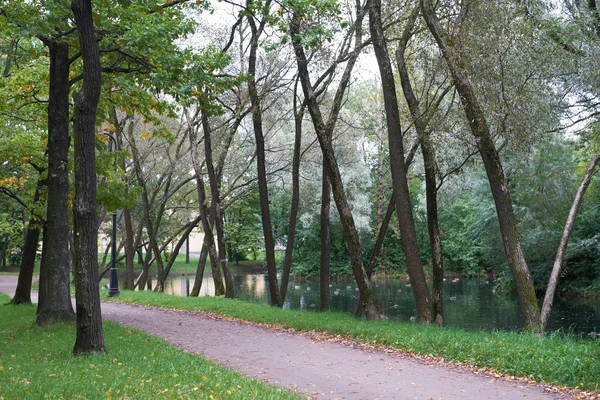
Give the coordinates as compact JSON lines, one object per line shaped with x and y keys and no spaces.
{"x":54,"y":294}
{"x":324,"y":133}
{"x":398,"y":168}
{"x":150,"y":226}
{"x":209,"y":239}
{"x":324,"y":273}
{"x":295,"y":205}
{"x":200,"y":271}
{"x":32,"y":238}
{"x":90,"y":336}
{"x":263,"y":190}
{"x":215,"y":205}
{"x":421,"y":122}
{"x":493,"y":166}
{"x":184,"y":237}
{"x":564,"y":239}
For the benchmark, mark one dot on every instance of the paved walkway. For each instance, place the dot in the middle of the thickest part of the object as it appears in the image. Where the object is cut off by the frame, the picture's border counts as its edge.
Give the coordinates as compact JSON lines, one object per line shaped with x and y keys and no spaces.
{"x":321,"y":370}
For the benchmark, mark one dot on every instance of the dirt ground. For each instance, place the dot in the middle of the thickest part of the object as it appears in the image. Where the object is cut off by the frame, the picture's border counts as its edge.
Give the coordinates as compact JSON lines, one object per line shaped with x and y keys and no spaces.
{"x":318,"y":369}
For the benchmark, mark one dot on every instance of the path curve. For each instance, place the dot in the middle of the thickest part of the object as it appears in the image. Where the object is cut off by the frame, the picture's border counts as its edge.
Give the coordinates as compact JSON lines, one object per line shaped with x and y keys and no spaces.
{"x":321,"y":370}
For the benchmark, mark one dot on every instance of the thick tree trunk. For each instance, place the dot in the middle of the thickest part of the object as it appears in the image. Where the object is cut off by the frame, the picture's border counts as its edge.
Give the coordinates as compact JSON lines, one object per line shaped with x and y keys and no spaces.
{"x":564,"y":239}
{"x":55,"y":294}
{"x":215,"y":205}
{"x":324,"y":134}
{"x":295,"y":205}
{"x":421,"y":121}
{"x":403,"y":207}
{"x":263,"y":190}
{"x":493,"y":166}
{"x":90,"y":336}
{"x":324,"y":272}
{"x":32,"y":238}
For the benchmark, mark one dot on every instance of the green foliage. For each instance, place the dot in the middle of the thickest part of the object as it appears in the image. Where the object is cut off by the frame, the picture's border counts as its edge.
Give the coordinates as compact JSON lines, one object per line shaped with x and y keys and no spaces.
{"x":554,"y":359}
{"x":243,"y":229}
{"x":38,"y":363}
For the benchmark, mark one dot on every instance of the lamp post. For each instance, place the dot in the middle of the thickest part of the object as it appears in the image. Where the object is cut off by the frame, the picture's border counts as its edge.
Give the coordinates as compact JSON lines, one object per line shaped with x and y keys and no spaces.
{"x":113,"y":286}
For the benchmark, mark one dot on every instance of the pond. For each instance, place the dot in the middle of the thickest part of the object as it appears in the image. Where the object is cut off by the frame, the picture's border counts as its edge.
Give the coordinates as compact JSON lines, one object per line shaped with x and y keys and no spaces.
{"x":469,"y":303}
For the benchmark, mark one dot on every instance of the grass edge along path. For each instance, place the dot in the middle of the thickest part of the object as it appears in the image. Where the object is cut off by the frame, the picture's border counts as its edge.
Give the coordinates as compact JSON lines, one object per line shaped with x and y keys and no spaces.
{"x":554,"y":359}
{"x":37,"y":362}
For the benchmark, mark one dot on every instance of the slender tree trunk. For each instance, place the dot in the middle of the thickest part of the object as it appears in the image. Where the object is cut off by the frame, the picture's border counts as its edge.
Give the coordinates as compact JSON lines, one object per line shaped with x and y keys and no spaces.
{"x":180,"y":242}
{"x":493,"y":166}
{"x":129,"y":250}
{"x":403,"y":207}
{"x":215,"y":205}
{"x":200,"y":271}
{"x":150,"y":226}
{"x":90,"y":336}
{"x":564,"y":239}
{"x":209,"y":239}
{"x":263,"y":190}
{"x":295,"y":205}
{"x":55,"y":295}
{"x":420,"y":123}
{"x":32,"y":238}
{"x":324,"y":134}
{"x":324,"y":273}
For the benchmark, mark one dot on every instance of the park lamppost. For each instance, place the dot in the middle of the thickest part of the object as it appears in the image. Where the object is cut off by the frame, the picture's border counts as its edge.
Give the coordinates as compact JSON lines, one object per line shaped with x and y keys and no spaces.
{"x":113,"y":286}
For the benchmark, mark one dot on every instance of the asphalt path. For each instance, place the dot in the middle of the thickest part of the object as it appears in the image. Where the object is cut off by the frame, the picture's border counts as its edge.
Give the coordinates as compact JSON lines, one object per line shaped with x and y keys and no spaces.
{"x":318,"y":369}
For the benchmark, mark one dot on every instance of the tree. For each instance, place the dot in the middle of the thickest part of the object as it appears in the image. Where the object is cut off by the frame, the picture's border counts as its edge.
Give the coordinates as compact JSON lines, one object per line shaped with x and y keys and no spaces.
{"x":324,"y":131}
{"x":398,"y":167}
{"x":90,"y":335}
{"x":491,"y":160}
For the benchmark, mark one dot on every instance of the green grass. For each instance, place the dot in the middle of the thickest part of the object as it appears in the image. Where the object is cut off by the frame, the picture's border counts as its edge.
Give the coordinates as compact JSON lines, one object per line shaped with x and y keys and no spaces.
{"x":37,"y":362}
{"x":554,"y":359}
{"x":179,"y":266}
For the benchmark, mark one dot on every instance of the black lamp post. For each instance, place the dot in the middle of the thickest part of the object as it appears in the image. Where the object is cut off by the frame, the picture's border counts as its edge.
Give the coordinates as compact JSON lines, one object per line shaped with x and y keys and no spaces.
{"x":113,"y":286}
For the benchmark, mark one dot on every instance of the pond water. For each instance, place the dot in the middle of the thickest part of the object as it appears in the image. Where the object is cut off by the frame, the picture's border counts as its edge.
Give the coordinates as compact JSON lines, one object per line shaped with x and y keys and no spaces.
{"x":469,"y":303}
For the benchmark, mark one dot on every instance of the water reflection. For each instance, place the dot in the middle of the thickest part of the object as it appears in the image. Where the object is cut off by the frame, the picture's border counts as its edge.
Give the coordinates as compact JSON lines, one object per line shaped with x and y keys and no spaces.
{"x":469,"y":303}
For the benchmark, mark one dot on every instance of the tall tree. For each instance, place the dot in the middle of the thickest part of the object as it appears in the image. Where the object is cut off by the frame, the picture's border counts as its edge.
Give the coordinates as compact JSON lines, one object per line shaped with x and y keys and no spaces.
{"x":324,"y":131}
{"x":54,"y":290}
{"x":453,"y":54}
{"x":398,"y":167}
{"x":257,"y":29}
{"x":90,"y":336}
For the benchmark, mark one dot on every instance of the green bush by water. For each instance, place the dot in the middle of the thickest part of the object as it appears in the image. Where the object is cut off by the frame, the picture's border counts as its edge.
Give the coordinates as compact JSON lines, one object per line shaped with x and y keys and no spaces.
{"x":553,"y":359}
{"x":37,"y":362}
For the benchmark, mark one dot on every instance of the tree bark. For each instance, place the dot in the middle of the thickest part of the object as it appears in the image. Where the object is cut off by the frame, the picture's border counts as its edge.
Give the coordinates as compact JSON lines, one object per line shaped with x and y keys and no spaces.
{"x":32,"y":238}
{"x":294,"y":206}
{"x":209,"y":239}
{"x":90,"y":336}
{"x":324,"y":133}
{"x":54,"y":301}
{"x":324,"y":271}
{"x":200,"y":271}
{"x":493,"y":166}
{"x":398,"y":168}
{"x":215,"y":205}
{"x":421,"y":122}
{"x":263,"y":190}
{"x":564,"y":240}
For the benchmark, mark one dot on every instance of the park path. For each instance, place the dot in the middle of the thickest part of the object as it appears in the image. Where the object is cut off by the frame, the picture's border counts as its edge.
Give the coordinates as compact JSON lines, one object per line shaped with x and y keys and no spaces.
{"x":318,"y":369}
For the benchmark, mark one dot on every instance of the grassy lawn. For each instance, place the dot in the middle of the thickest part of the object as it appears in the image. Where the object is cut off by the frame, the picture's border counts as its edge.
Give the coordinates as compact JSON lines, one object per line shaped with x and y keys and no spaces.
{"x":37,"y":363}
{"x":553,"y":359}
{"x":179,"y":266}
